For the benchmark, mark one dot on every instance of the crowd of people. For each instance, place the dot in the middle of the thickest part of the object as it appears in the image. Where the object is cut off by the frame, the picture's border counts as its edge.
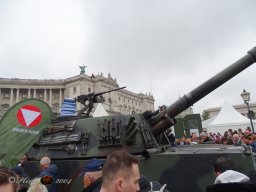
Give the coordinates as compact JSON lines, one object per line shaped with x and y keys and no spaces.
{"x":120,"y":173}
{"x":16,"y":180}
{"x":230,"y":137}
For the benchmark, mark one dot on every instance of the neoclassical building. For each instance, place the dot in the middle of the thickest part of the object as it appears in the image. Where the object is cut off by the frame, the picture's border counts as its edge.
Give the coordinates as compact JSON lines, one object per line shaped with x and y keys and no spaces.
{"x":53,"y":91}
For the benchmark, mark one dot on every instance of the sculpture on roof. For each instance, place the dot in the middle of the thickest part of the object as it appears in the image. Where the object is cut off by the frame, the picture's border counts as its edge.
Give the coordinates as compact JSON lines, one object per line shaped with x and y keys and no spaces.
{"x":82,"y":69}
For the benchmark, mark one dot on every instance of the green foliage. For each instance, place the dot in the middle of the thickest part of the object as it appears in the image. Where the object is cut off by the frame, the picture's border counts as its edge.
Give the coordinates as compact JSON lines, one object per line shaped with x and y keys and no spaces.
{"x":205,"y":114}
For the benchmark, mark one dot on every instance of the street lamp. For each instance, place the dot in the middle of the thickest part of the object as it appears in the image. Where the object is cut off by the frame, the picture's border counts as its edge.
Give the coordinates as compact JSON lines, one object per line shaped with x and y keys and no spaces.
{"x":246,"y":97}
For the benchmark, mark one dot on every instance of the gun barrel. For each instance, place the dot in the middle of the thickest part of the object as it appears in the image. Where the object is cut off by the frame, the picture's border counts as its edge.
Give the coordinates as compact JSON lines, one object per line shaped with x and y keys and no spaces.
{"x":101,"y":93}
{"x":204,"y":89}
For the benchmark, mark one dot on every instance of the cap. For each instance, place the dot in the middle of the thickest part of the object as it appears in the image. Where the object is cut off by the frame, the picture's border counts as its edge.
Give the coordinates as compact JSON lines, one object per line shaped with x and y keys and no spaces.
{"x":93,"y":165}
{"x":19,"y":171}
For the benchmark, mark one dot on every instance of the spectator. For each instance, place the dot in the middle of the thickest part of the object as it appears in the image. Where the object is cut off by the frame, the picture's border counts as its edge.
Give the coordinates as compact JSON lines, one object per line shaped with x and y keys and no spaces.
{"x":224,"y":169}
{"x":236,"y":139}
{"x":227,"y":179}
{"x":19,"y":171}
{"x":120,"y":173}
{"x":22,"y":161}
{"x":150,"y":186}
{"x":253,"y":142}
{"x":5,"y":184}
{"x":93,"y":178}
{"x":92,"y":175}
{"x":194,"y":139}
{"x":230,"y":131}
{"x":240,"y":131}
{"x":37,"y":186}
{"x":218,"y":139}
{"x":224,"y":140}
{"x":246,"y":140}
{"x":248,"y":129}
{"x":49,"y":170}
{"x":205,"y":139}
{"x":247,"y":132}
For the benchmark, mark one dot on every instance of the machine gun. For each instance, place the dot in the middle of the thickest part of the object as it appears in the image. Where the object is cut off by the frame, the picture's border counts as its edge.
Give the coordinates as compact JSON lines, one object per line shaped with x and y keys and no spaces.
{"x":91,"y":98}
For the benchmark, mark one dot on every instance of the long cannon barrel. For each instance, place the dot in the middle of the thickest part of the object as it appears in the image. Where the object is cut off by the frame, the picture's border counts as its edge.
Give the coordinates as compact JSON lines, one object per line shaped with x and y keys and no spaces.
{"x":201,"y":91}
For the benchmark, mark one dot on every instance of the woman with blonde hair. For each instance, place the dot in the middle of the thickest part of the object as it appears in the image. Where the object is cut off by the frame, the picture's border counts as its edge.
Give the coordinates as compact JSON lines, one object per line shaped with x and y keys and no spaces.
{"x":37,"y":186}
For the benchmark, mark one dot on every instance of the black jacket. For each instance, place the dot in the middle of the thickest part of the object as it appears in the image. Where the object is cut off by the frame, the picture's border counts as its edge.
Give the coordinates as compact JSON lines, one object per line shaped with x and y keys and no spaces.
{"x":94,"y":187}
{"x":231,"y":187}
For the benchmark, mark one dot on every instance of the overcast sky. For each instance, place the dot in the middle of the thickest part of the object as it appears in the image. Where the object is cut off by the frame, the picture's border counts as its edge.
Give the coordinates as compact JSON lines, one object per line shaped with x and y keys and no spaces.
{"x":166,"y":47}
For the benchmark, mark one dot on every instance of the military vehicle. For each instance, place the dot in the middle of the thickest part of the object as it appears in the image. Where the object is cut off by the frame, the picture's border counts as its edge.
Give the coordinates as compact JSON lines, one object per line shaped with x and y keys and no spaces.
{"x":71,"y":141}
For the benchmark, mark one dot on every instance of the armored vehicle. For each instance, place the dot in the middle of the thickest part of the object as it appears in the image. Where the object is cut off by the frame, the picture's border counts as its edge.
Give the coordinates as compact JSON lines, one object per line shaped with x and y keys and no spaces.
{"x":70,"y":141}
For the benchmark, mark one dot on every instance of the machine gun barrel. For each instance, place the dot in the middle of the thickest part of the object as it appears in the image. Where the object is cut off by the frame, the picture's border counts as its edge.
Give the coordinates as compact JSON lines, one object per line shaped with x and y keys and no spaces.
{"x":93,"y":96}
{"x":202,"y":90}
{"x":101,"y":93}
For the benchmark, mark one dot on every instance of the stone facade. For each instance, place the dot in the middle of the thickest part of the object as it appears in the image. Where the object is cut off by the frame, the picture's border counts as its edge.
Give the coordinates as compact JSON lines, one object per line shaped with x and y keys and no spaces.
{"x":54,"y":91}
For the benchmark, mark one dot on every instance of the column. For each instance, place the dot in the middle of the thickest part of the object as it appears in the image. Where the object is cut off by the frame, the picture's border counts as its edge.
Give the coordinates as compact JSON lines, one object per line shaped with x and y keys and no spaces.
{"x":50,"y":98}
{"x":34,"y":96}
{"x":60,"y":98}
{"x":45,"y":95}
{"x":29,"y":94}
{"x":11,"y":97}
{"x":17,"y":95}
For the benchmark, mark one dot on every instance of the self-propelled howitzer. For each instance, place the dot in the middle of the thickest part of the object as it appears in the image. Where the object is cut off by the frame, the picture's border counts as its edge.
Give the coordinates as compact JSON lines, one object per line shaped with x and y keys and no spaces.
{"x":73,"y":141}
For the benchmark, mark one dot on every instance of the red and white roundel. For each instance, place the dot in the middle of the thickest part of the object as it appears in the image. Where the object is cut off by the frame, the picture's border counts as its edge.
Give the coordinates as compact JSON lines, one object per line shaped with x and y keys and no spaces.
{"x":29,"y":116}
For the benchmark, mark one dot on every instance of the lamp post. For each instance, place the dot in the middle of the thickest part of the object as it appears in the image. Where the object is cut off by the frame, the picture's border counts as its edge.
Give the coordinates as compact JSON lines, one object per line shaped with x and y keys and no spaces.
{"x":246,"y":97}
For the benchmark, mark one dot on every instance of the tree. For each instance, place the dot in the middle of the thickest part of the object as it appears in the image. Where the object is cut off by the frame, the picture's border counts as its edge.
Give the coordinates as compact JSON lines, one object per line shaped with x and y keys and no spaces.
{"x":205,"y":114}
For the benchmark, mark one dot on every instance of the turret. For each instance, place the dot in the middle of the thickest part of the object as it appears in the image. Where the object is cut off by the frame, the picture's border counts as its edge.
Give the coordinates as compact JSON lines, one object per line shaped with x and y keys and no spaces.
{"x":166,"y":116}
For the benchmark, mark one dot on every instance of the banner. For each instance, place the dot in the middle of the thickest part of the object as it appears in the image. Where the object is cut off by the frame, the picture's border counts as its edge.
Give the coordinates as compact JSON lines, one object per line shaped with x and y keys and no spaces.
{"x":20,"y":127}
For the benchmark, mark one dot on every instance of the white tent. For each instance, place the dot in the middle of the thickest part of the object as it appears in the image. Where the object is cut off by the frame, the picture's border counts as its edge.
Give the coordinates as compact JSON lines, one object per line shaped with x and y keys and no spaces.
{"x":99,"y":111}
{"x":228,"y":118}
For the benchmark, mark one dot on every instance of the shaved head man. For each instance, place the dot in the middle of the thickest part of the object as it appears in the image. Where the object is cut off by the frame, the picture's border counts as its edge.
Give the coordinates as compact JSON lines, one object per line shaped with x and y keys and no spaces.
{"x":120,"y":173}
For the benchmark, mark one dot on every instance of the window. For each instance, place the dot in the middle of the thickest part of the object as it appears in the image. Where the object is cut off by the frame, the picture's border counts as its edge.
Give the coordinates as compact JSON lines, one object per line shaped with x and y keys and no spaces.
{"x":89,"y":89}
{"x":74,"y":90}
{"x":6,"y":95}
{"x":56,"y":96}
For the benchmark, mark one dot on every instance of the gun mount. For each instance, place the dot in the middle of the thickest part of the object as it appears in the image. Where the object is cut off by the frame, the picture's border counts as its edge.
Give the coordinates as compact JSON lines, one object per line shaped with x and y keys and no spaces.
{"x":91,"y":98}
{"x":72,"y":142}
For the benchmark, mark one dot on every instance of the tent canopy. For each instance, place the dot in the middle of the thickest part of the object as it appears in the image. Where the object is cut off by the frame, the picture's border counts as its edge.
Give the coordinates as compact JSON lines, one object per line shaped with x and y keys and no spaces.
{"x":99,"y":111}
{"x":228,"y":118}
